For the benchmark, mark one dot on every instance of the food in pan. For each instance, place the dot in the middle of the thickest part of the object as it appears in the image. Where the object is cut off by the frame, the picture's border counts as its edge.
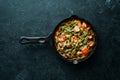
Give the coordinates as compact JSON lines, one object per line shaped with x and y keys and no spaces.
{"x":74,"y":39}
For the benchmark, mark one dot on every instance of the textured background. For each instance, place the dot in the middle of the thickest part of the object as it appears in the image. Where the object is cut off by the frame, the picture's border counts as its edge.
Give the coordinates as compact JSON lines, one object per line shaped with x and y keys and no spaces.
{"x":39,"y":18}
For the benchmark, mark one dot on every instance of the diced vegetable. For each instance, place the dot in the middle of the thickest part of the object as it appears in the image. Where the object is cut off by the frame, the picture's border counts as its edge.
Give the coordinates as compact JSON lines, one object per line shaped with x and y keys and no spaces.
{"x":85,"y":50}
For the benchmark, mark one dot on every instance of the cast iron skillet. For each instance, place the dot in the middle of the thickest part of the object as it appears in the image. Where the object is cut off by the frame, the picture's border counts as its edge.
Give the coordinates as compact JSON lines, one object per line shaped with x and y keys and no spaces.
{"x":51,"y":39}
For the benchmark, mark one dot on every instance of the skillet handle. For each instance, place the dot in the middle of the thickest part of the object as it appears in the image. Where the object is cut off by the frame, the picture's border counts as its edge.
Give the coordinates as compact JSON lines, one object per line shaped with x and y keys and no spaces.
{"x":34,"y":40}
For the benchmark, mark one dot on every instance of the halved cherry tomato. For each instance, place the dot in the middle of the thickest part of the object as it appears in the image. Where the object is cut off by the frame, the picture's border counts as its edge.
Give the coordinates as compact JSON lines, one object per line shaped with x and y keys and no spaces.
{"x":62,"y":38}
{"x":85,"y":50}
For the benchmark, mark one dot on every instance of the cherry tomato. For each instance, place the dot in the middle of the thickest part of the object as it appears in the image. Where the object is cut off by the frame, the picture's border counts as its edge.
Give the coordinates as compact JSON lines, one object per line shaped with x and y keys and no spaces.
{"x":85,"y":50}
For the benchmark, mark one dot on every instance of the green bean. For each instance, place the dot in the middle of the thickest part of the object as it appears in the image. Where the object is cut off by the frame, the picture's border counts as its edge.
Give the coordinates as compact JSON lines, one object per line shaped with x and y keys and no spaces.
{"x":85,"y":40}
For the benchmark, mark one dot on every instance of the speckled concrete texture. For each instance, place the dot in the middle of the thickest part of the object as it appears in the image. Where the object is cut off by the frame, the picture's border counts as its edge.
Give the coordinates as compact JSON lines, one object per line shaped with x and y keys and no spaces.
{"x":39,"y":18}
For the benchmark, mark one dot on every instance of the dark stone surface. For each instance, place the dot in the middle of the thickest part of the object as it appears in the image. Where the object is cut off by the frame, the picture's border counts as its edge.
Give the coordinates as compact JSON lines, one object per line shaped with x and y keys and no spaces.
{"x":39,"y":18}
